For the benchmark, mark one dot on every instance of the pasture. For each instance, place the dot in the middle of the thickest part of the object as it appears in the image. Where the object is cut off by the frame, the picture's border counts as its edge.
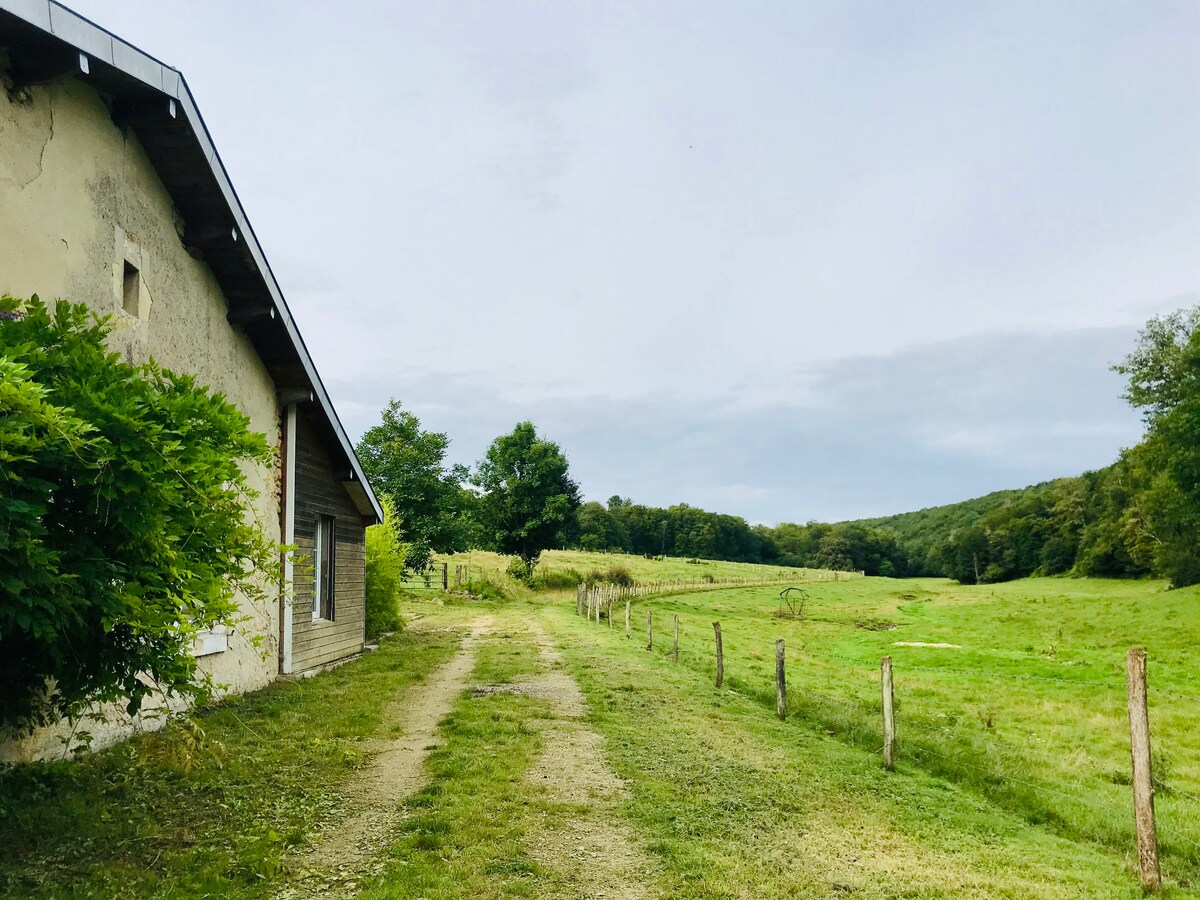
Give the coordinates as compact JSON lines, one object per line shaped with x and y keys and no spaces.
{"x":1024,"y":705}
{"x":670,"y":568}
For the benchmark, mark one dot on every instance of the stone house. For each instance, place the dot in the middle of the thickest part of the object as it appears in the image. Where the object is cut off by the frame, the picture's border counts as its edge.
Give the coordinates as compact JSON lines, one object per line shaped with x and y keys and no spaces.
{"x":112,"y":194}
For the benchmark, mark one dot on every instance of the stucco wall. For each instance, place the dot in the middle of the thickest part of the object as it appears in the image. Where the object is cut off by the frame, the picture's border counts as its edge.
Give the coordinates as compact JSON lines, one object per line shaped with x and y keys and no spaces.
{"x":78,"y":199}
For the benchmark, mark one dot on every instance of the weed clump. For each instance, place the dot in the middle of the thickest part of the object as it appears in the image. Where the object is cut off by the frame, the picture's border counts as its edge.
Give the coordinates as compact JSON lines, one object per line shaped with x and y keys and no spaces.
{"x":612,"y":575}
{"x":486,"y":588}
{"x":557,"y":579}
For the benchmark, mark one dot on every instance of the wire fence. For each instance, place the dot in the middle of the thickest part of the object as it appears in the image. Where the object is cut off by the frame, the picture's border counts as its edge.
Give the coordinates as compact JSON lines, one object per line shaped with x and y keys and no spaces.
{"x":1018,"y":771}
{"x":442,"y":577}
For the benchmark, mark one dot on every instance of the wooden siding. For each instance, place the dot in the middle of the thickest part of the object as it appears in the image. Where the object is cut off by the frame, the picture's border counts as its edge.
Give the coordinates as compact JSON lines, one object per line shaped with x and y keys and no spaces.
{"x":318,"y":493}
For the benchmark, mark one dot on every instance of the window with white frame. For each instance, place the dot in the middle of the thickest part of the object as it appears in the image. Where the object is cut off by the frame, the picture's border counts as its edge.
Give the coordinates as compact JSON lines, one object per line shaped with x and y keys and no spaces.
{"x":323,"y":547}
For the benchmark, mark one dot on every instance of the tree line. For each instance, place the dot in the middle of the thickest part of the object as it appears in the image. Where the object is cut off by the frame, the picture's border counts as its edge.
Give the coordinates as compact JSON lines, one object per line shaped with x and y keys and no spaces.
{"x":1140,"y":516}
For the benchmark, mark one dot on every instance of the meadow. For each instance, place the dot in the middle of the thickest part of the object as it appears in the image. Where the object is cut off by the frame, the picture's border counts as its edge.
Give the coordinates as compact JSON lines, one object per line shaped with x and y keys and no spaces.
{"x":641,"y":568}
{"x":1025,"y":706}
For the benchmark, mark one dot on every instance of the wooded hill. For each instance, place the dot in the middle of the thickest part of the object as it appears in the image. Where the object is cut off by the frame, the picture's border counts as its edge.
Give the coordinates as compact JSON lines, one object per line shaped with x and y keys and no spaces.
{"x":1140,"y":516}
{"x":1077,"y":525}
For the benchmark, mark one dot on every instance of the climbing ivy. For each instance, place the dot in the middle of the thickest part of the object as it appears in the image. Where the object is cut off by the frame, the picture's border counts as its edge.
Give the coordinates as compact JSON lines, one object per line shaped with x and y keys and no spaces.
{"x":123,"y":518}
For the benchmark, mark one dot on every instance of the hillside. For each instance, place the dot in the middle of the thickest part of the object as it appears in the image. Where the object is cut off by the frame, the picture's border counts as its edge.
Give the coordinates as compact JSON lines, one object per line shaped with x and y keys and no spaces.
{"x":920,"y":532}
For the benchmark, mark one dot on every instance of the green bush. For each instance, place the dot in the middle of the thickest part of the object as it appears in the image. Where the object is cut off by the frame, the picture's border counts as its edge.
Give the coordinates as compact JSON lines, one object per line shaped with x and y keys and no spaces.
{"x":520,"y":570}
{"x":612,"y":575}
{"x":385,"y":571}
{"x":487,"y":589}
{"x":557,"y":579}
{"x":123,"y":524}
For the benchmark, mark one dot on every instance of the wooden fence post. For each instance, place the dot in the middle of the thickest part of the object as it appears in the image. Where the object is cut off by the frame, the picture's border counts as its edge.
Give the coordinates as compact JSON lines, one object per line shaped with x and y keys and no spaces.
{"x":675,"y":649}
{"x":780,"y":681}
{"x":445,"y":576}
{"x":610,"y":603}
{"x":627,"y":605}
{"x":649,"y":632}
{"x":889,"y":715}
{"x":1143,"y":789}
{"x":720,"y":655}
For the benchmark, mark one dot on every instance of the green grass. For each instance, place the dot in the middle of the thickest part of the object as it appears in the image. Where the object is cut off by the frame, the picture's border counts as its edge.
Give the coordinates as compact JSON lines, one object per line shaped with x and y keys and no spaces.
{"x":1011,"y":783}
{"x":737,"y":804}
{"x":153,"y":818}
{"x":1028,"y":713}
{"x":464,"y":834}
{"x":642,"y":569}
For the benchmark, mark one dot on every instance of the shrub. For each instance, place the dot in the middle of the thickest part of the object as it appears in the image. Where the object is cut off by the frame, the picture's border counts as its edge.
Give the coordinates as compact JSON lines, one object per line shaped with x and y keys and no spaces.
{"x":123,"y":523}
{"x":612,"y":575}
{"x":385,"y":570}
{"x":557,"y":579}
{"x":520,"y":570}
{"x":486,"y":589}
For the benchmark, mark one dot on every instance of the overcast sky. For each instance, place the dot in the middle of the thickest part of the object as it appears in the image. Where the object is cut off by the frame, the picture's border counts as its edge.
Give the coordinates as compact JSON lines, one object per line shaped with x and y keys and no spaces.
{"x":785,"y":260}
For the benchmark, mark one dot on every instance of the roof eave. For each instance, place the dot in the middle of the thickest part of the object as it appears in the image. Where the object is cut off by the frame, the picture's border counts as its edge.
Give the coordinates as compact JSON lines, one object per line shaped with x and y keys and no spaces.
{"x":113,"y":55}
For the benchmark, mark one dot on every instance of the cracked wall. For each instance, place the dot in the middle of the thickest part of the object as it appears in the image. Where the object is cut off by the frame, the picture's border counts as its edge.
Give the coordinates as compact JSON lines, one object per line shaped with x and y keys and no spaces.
{"x":79,"y":205}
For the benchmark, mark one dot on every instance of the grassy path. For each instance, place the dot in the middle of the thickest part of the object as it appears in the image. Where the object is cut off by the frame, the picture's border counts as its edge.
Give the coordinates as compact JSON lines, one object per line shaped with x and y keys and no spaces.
{"x":343,"y":853}
{"x":439,"y":767}
{"x":590,"y":848}
{"x":521,"y":801}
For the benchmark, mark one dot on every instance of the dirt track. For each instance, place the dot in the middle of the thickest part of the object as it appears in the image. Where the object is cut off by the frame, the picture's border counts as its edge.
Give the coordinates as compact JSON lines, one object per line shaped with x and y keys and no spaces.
{"x":580,"y":836}
{"x":349,"y":850}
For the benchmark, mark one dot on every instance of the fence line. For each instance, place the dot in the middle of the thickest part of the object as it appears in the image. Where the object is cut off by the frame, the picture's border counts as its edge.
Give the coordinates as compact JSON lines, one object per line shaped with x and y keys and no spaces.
{"x":1137,"y":696}
{"x":663,"y":587}
{"x":441,"y":577}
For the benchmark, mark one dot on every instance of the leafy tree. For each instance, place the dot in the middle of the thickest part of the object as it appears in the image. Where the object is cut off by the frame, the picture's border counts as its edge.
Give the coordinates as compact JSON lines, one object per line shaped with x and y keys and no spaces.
{"x":834,"y":552}
{"x":599,"y":529}
{"x":964,"y":555}
{"x":1164,"y":382}
{"x":123,"y":525}
{"x":528,"y":498}
{"x":1163,"y":368}
{"x":407,"y":465}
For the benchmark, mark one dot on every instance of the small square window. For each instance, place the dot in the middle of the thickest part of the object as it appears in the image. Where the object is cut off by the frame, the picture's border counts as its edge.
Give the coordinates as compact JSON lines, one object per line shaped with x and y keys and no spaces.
{"x":131,"y":288}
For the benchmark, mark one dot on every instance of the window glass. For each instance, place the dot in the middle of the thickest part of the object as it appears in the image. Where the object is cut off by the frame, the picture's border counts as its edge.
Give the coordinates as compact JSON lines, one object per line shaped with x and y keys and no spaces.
{"x":323,"y":546}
